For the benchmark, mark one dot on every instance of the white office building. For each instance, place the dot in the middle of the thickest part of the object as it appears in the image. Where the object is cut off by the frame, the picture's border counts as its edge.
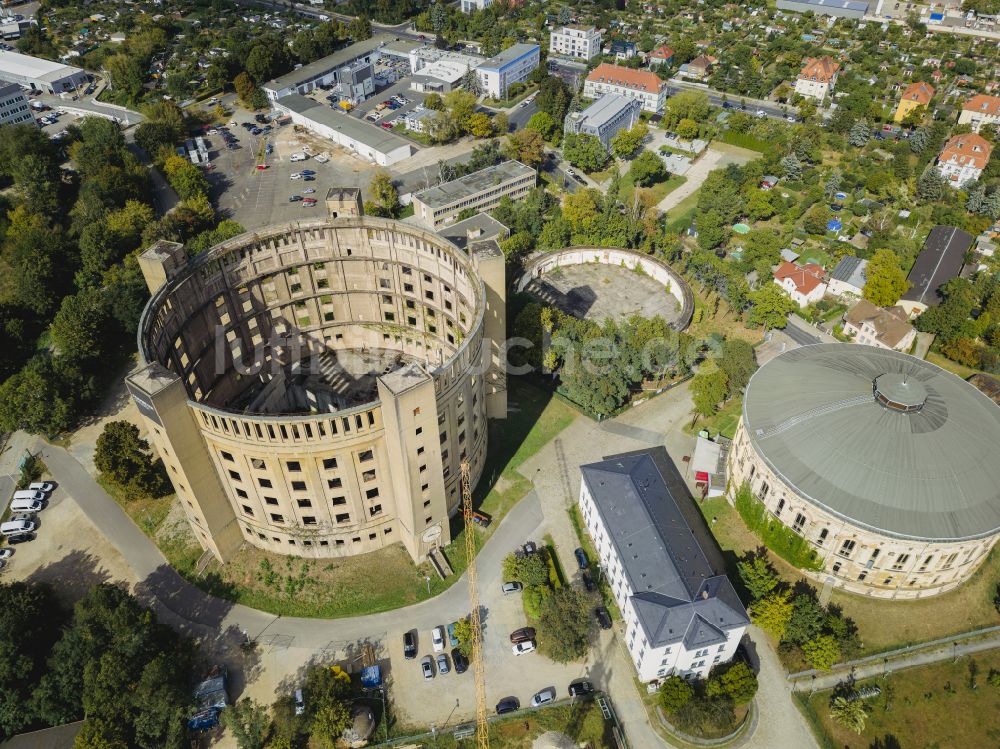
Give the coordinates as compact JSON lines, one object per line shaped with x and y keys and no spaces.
{"x":511,"y":66}
{"x":348,"y":68}
{"x":40,"y":75}
{"x":581,"y":42}
{"x":470,"y":6}
{"x":681,"y":616}
{"x":14,"y":109}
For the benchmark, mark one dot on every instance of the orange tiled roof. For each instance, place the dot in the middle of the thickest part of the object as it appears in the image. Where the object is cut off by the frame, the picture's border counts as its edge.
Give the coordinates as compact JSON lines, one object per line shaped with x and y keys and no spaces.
{"x":663,"y":53}
{"x":821,"y":69}
{"x":805,"y":277}
{"x":983,"y":104}
{"x":920,"y":92}
{"x":967,"y":150}
{"x":637,"y":80}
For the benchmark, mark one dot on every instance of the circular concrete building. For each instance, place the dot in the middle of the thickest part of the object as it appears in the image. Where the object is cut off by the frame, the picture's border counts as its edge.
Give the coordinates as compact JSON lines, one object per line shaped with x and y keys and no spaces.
{"x":313,"y":388}
{"x":888,"y":465}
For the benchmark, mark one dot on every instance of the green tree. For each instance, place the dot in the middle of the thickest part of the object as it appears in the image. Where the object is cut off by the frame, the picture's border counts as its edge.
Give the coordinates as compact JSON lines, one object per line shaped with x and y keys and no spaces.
{"x":38,"y":399}
{"x":737,"y":681}
{"x":461,"y":104}
{"x":248,"y":722}
{"x":384,"y":194}
{"x":543,"y":123}
{"x":821,"y":652}
{"x":930,"y":184}
{"x":529,"y":569}
{"x":82,"y":329}
{"x":690,"y":105}
{"x":675,"y":693}
{"x":122,"y":455}
{"x":325,"y":685}
{"x":851,"y":714}
{"x":687,"y":129}
{"x":760,"y":205}
{"x":360,"y":29}
{"x":758,"y":575}
{"x":791,"y":168}
{"x":585,"y":152}
{"x":525,"y":146}
{"x":647,"y":169}
{"x":125,"y":77}
{"x":885,"y":281}
{"x":186,"y":178}
{"x":463,"y":633}
{"x":533,"y":599}
{"x":564,"y":623}
{"x":772,"y":613}
{"x":738,"y":362}
{"x":712,"y":229}
{"x":330,"y":722}
{"x":627,"y":142}
{"x":554,"y":98}
{"x":808,"y":618}
{"x":860,"y":133}
{"x":480,"y":125}
{"x":99,"y":734}
{"x":770,"y":307}
{"x":708,"y":390}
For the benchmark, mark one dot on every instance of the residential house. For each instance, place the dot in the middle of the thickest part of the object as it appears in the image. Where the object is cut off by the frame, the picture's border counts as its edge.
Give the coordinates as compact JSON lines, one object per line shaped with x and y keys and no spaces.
{"x":848,"y":278}
{"x":642,"y":85}
{"x":963,"y":158}
{"x":621,"y":49}
{"x":700,"y":67}
{"x":940,"y":260}
{"x":681,"y":614}
{"x":877,"y":326}
{"x":661,"y":56}
{"x":980,"y":110}
{"x":915,"y":96}
{"x":817,"y":78}
{"x":803,"y":283}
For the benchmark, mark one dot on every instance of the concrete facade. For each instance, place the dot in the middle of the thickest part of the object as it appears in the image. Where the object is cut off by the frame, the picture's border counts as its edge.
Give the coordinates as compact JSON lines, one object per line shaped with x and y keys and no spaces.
{"x":14,"y":108}
{"x":267,"y":434}
{"x":479,"y":191}
{"x":580,"y":42}
{"x":511,"y":66}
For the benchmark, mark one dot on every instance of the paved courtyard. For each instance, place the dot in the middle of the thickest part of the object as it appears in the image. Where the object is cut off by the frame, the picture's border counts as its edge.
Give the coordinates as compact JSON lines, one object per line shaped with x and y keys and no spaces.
{"x":594,"y":291}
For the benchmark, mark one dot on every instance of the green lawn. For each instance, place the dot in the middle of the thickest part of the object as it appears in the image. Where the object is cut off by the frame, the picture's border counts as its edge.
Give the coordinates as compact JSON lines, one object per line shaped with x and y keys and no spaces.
{"x":385,"y":579}
{"x":944,"y":362}
{"x":660,"y":190}
{"x":689,"y":204}
{"x":940,"y":706}
{"x":724,"y":422}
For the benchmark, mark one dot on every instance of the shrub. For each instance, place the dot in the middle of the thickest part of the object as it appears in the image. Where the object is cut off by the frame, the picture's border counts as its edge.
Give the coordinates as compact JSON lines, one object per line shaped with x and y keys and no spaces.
{"x":675,"y":693}
{"x":564,"y":624}
{"x":532,"y":599}
{"x":780,"y":539}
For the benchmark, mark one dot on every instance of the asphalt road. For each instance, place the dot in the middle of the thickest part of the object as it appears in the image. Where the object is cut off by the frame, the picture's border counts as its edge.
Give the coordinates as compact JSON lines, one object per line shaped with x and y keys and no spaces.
{"x":718,"y":98}
{"x":800,"y":336}
{"x":519,"y":116}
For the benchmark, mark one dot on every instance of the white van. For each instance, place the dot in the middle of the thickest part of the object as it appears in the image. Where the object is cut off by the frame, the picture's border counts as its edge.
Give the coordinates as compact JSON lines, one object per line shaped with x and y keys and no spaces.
{"x":298,"y":157}
{"x":13,"y":527}
{"x":42,"y":486}
{"x":23,"y":504}
{"x":30,"y":495}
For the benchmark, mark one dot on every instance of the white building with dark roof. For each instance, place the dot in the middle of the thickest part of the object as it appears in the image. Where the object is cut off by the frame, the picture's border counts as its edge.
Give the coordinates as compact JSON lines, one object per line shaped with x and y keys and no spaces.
{"x":681,"y":616}
{"x":848,"y":278}
{"x":605,"y":118}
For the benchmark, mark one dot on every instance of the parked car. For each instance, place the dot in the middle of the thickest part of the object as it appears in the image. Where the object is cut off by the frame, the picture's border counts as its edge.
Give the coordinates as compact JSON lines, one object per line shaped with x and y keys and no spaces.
{"x":293,"y":175}
{"x":308,"y":203}
{"x":262,"y":167}
{"x":307,"y":172}
{"x":308,"y":178}
{"x":442,"y":661}
{"x":437,"y":639}
{"x":529,"y":547}
{"x":508,"y":705}
{"x":427,"y":666}
{"x":30,"y":494}
{"x":580,"y":688}
{"x":17,"y":527}
{"x":309,"y":191}
{"x":460,"y":662}
{"x":603,"y":617}
{"x":528,"y":646}
{"x":294,"y":198}
{"x":543,"y":697}
{"x":522,"y":635}
{"x":300,"y":705}
{"x":511,"y":587}
{"x":451,"y":635}
{"x":410,"y":645}
{"x":20,"y":538}
{"x":6,"y":553}
{"x":588,"y":582}
{"x":26,"y":505}
{"x":581,"y":558}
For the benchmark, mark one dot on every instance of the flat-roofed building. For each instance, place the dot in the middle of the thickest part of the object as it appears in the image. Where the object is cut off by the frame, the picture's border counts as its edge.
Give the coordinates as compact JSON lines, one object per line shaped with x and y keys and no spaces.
{"x":14,"y":109}
{"x":374,"y":144}
{"x":605,"y":118}
{"x":581,"y":42}
{"x":511,"y":66}
{"x":837,"y":8}
{"x":40,"y":75}
{"x":681,"y":615}
{"x":480,"y":191}
{"x":327,"y":70}
{"x":642,"y":85}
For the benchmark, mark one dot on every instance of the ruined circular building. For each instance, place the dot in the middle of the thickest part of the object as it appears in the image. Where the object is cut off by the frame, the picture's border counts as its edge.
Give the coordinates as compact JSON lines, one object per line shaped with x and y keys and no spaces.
{"x":888,"y":465}
{"x":313,"y":388}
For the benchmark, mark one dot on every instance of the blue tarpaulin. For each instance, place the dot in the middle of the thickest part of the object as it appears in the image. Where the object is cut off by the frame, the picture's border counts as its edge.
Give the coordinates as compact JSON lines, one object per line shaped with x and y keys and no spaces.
{"x":834,"y":224}
{"x":937,"y":16}
{"x":371,"y":676}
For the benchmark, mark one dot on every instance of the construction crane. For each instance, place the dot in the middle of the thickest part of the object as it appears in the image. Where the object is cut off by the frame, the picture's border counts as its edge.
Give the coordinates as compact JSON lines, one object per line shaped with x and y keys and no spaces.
{"x":478,"y":667}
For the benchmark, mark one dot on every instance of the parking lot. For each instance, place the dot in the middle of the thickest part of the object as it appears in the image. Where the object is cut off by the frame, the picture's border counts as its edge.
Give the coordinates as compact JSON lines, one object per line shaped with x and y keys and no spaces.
{"x":256,"y":197}
{"x":400,"y":88}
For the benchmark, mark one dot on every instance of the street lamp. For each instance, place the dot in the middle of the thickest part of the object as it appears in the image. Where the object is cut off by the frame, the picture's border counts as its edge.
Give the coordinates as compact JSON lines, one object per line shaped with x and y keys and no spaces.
{"x":428,"y":579}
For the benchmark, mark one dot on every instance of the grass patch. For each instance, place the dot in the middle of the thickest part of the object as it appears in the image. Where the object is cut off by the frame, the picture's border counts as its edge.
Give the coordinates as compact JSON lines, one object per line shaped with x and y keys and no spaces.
{"x":507,"y":103}
{"x":400,"y":129}
{"x":743,"y":140}
{"x":935,"y":357}
{"x":660,"y":190}
{"x":684,"y":210}
{"x":925,"y":706}
{"x":557,"y":578}
{"x":779,"y":538}
{"x":148,"y":513}
{"x":587,"y":544}
{"x":723,"y":422}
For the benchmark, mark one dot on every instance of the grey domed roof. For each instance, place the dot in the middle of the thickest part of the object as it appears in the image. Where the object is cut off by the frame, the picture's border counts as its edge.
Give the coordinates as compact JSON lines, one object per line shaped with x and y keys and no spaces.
{"x":884,"y":440}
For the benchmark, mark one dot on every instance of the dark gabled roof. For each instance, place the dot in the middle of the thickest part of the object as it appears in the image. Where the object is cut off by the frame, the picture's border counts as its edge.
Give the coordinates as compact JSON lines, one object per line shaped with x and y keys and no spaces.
{"x":677,"y":595}
{"x":939,"y":261}
{"x":847,"y":268}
